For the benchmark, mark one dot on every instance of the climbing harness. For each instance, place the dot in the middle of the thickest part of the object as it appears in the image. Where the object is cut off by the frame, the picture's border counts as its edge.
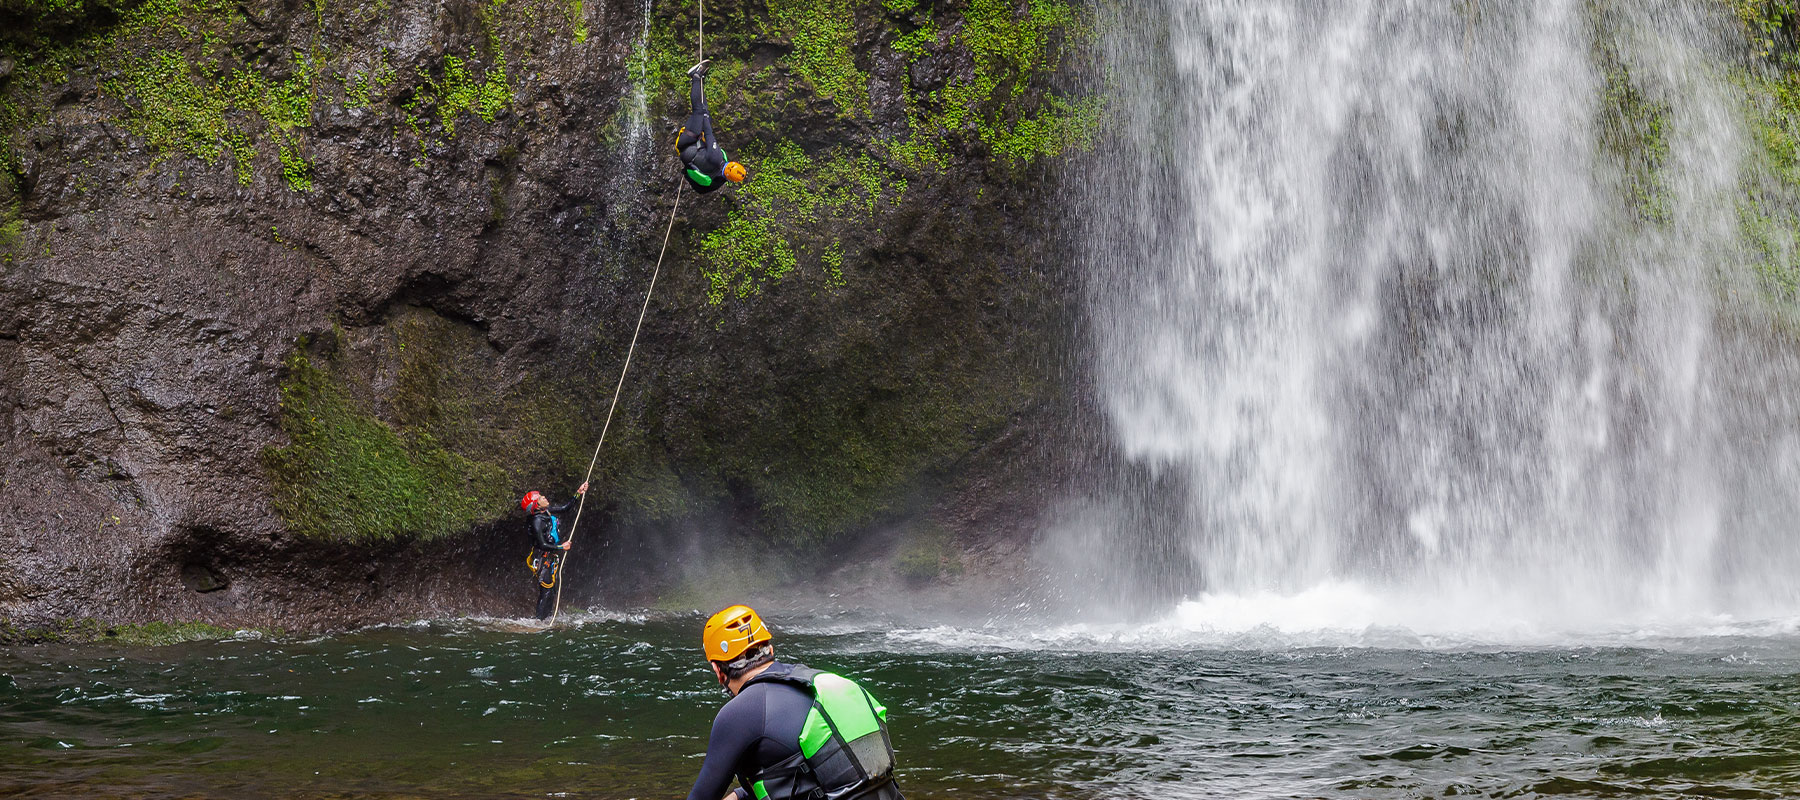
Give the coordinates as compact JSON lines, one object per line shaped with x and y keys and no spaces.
{"x":629,"y":351}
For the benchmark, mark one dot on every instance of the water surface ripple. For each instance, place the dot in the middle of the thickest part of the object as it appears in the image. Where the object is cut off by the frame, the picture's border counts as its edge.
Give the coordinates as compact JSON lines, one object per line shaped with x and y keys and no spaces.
{"x":620,"y":709}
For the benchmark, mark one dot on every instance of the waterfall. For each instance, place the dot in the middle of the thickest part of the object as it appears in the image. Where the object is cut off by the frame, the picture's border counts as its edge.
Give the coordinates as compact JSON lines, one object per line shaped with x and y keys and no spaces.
{"x":1435,"y":310}
{"x":637,"y":107}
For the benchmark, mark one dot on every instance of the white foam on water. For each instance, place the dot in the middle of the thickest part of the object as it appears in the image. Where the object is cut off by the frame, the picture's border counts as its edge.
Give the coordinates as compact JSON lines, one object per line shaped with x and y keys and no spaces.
{"x":1345,"y":614}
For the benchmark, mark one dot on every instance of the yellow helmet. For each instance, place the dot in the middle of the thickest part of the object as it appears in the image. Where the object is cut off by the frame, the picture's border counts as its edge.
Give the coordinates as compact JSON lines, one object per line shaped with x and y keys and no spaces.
{"x":732,"y":632}
{"x":735,"y":172}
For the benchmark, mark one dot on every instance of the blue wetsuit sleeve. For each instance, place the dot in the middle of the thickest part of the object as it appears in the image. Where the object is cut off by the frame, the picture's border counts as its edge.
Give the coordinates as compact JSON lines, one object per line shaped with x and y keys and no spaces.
{"x":734,"y":730}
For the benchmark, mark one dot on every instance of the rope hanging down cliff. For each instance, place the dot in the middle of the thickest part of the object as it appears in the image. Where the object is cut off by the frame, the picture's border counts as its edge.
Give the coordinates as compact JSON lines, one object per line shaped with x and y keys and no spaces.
{"x":629,"y":351}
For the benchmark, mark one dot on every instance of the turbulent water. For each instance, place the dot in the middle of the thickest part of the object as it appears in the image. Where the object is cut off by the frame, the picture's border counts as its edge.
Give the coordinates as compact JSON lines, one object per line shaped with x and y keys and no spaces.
{"x":1439,"y":303}
{"x":620,"y":708}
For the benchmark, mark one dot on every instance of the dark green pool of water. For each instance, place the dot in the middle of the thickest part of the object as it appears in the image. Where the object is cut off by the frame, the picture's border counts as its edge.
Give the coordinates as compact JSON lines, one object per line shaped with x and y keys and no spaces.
{"x":621,"y":710}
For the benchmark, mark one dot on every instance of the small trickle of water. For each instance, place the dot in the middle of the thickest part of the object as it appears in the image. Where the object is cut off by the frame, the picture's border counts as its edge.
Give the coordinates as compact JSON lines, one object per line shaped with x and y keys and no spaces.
{"x":637,"y":132}
{"x":1429,"y":298}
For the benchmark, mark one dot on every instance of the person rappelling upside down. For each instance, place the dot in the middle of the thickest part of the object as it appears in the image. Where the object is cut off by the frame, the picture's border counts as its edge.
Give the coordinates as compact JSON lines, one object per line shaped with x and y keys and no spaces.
{"x":706,"y":165}
{"x":549,"y":542}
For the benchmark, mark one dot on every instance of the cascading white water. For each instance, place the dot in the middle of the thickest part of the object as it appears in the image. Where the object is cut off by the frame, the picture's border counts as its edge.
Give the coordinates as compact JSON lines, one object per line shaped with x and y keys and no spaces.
{"x":1426,"y":310}
{"x":637,"y":105}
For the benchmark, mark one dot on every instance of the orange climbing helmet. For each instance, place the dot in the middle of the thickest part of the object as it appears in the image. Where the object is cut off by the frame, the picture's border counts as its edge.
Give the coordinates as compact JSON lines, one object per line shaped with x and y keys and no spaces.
{"x":531,"y":500}
{"x":735,"y":172}
{"x":732,"y":632}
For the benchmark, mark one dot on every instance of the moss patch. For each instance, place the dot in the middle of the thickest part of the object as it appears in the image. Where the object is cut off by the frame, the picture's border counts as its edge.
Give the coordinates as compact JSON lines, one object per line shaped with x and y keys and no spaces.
{"x":823,"y":35}
{"x":1011,"y":47}
{"x":789,"y":215}
{"x":1769,"y":26}
{"x":927,"y":554}
{"x":786,"y":216}
{"x":193,"y":78}
{"x":1769,"y":208}
{"x":398,"y":431}
{"x":1769,"y":211}
{"x":1634,"y":131}
{"x":349,"y":476}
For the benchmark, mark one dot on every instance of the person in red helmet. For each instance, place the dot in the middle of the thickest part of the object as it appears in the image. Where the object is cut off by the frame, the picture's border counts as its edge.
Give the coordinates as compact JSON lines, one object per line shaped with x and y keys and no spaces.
{"x":549,"y":541}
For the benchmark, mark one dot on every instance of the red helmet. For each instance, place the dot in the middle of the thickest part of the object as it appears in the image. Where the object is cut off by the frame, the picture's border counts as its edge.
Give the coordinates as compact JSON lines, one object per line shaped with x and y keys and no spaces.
{"x":530,"y":501}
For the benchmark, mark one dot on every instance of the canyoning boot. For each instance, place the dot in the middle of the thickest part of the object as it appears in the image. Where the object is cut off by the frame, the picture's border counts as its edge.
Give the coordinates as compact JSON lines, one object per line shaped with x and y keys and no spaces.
{"x":699,"y":70}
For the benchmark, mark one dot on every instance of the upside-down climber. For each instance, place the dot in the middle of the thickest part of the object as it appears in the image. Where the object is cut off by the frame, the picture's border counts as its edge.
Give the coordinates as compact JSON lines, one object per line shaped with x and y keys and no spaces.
{"x":706,"y":165}
{"x":548,"y":545}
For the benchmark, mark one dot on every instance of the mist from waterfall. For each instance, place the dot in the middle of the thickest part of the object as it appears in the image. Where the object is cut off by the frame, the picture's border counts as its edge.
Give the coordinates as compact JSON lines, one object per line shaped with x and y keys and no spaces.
{"x":1430,"y":314}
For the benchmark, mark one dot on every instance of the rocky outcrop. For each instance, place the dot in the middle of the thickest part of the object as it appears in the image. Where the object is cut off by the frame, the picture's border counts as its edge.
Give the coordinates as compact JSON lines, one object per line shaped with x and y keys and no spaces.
{"x":297,"y":298}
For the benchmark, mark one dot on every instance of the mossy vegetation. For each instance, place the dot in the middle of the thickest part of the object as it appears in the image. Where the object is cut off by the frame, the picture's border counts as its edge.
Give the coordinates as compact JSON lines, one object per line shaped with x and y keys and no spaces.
{"x":188,"y":79}
{"x":1769,"y":205}
{"x":927,"y":554}
{"x":462,"y":93}
{"x":12,"y":219}
{"x":783,"y":218}
{"x":346,"y":475}
{"x":437,"y":449}
{"x":179,"y":107}
{"x":823,"y":34}
{"x":1770,"y":25}
{"x":1012,"y":46}
{"x":1634,"y":131}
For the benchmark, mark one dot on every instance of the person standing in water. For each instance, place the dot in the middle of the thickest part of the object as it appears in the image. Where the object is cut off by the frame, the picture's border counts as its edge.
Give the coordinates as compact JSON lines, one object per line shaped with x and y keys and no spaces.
{"x":549,"y":543}
{"x":788,"y":732}
{"x":705,"y":165}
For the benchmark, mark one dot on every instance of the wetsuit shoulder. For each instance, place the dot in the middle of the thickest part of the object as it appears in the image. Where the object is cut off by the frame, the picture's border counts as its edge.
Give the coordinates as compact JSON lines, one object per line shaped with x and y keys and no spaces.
{"x":756,"y":729}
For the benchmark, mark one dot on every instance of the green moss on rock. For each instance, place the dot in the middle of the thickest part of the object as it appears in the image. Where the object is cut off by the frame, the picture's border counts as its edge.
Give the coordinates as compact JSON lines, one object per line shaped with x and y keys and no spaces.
{"x":1769,"y":25}
{"x":178,"y":72}
{"x":1634,"y":130}
{"x":926,"y":555}
{"x":1012,"y":46}
{"x":1769,"y":204}
{"x":347,"y":475}
{"x":790,"y":214}
{"x":823,"y":35}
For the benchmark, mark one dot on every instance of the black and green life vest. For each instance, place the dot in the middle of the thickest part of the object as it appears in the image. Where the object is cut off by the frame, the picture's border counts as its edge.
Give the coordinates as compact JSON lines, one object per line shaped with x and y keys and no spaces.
{"x":702,"y":179}
{"x":845,"y":752}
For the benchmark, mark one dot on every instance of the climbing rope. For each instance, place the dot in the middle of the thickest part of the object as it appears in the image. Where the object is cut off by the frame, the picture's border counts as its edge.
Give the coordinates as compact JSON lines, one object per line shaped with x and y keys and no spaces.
{"x":617,"y":390}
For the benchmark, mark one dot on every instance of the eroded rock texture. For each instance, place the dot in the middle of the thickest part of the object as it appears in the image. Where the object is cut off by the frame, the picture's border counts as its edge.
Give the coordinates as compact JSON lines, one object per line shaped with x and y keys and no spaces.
{"x":297,"y":298}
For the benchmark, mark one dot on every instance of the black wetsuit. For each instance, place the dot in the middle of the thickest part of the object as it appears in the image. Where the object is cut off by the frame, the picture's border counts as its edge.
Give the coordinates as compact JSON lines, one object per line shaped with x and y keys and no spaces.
{"x":702,"y":159}
{"x":547,"y":539}
{"x":757,"y":729}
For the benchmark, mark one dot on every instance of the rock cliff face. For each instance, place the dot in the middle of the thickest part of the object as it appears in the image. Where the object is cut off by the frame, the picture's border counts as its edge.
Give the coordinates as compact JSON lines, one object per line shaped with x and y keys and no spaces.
{"x":298,"y":298}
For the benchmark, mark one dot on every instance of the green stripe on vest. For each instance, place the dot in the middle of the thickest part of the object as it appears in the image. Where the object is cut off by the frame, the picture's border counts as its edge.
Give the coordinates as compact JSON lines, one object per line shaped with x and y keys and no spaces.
{"x":846,"y":703}
{"x":704,"y":179}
